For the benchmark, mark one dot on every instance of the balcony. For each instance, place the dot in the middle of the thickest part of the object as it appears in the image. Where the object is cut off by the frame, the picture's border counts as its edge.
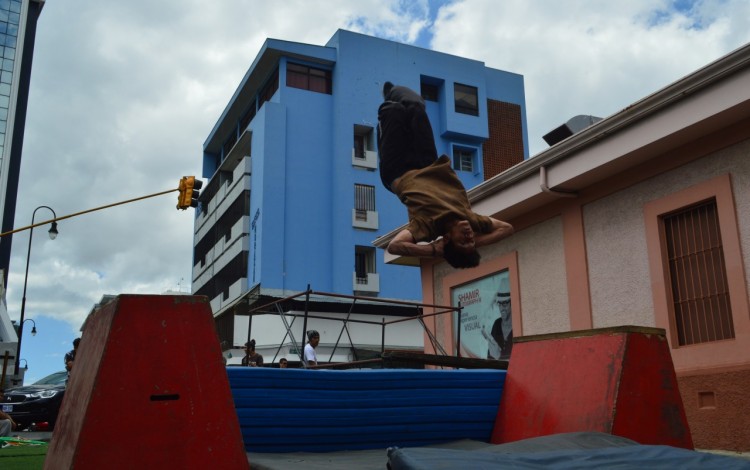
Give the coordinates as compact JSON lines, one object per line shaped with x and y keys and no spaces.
{"x":369,"y":160}
{"x":235,"y":291}
{"x":371,"y":283}
{"x":365,"y":219}
{"x":223,"y":252}
{"x":227,"y":193}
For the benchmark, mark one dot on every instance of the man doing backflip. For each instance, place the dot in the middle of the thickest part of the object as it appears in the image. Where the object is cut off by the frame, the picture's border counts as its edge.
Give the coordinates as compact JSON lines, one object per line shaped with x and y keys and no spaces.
{"x":434,"y":196}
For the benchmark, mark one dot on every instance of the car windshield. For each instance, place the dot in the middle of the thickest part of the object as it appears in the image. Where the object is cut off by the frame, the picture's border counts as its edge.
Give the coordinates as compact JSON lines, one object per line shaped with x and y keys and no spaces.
{"x":57,"y":378}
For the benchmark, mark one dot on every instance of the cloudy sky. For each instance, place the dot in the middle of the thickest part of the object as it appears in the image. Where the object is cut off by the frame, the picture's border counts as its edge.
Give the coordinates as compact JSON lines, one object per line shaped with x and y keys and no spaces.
{"x":123,"y":94}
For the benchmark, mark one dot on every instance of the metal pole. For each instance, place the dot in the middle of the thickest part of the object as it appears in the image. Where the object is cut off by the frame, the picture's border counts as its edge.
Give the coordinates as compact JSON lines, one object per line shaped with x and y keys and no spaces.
{"x":304,"y":328}
{"x":23,"y":298}
{"x":458,"y":338}
{"x":249,"y":328}
{"x":335,"y":346}
{"x":56,"y":219}
{"x":382,"y":338}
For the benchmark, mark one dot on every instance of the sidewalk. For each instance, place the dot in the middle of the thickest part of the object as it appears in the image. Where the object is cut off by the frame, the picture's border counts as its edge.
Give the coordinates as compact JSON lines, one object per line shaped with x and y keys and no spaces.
{"x":33,"y":435}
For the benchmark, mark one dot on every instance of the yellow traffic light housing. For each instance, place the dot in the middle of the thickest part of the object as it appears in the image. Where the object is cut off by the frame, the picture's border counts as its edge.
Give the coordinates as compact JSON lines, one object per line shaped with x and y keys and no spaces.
{"x":189,"y":192}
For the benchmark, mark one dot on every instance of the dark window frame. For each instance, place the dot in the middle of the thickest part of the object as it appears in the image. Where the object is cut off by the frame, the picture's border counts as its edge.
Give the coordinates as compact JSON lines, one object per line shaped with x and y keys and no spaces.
{"x":268,"y":90}
{"x":430,"y":91}
{"x":364,"y":200}
{"x":700,"y":295}
{"x":461,"y":155}
{"x":308,"y":78}
{"x":364,"y":263}
{"x":466,"y":98}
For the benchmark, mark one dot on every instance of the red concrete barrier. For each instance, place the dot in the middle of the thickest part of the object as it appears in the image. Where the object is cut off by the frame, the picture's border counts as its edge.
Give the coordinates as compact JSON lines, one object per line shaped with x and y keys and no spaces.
{"x":614,"y":380}
{"x":148,"y":390}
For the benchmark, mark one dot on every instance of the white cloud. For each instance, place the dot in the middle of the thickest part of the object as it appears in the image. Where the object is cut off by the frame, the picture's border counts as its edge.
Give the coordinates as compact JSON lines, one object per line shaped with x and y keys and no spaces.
{"x":586,"y":57}
{"x":122,"y":97}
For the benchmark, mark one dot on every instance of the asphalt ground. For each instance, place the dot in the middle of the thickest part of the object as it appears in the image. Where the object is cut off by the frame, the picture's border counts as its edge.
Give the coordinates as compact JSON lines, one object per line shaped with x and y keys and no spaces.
{"x":370,"y":459}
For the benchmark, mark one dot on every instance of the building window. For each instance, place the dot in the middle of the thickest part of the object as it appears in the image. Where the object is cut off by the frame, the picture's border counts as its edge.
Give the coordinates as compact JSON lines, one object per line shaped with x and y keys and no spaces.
{"x":247,"y":117}
{"x":429,"y":91}
{"x":364,"y":200}
{"x":694,"y":235}
{"x":364,"y":263}
{"x":363,"y":153}
{"x":363,"y":140}
{"x":360,"y":145}
{"x":269,"y":89}
{"x":700,"y":293}
{"x":229,"y":143}
{"x":467,"y":101}
{"x":463,"y":158}
{"x":308,"y":78}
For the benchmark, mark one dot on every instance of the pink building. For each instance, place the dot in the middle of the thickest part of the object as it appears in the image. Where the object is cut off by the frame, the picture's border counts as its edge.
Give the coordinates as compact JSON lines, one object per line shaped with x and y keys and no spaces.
{"x":642,"y":218}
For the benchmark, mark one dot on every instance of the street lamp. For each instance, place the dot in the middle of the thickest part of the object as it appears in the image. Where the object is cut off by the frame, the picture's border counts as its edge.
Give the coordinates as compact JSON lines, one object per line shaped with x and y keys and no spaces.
{"x":33,"y":328}
{"x":52,"y":234}
{"x":26,"y":367}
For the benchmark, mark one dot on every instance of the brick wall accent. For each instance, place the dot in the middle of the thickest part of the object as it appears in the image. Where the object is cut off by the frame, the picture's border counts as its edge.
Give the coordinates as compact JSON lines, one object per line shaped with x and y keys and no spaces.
{"x":717,"y":406}
{"x":504,"y":148}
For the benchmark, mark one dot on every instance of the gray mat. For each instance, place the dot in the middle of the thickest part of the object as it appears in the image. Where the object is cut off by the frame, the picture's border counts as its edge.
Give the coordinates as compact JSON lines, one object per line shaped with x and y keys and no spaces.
{"x":632,"y":457}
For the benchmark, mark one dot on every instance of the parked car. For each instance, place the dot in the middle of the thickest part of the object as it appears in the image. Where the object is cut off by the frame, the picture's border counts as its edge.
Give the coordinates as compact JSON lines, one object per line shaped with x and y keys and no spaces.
{"x":37,"y":403}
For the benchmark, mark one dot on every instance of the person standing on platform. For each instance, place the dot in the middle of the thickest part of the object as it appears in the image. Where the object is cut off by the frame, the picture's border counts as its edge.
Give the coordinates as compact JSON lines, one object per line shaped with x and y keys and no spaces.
{"x":252,"y":358}
{"x":313,"y":338}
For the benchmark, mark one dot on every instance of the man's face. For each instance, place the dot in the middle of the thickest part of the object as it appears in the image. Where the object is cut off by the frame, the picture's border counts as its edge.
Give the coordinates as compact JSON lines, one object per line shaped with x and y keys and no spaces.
{"x":282,"y":365}
{"x":314,"y":341}
{"x":462,"y":236}
{"x":503,"y":302}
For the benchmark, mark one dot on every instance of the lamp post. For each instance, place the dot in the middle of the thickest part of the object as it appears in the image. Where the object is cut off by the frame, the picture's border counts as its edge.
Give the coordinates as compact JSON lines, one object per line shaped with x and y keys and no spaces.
{"x":33,"y":328}
{"x":52,"y":234}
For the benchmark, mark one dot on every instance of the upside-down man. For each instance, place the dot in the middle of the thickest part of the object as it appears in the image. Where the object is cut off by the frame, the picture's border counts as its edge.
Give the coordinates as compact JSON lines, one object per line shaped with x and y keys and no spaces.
{"x":434,"y":196}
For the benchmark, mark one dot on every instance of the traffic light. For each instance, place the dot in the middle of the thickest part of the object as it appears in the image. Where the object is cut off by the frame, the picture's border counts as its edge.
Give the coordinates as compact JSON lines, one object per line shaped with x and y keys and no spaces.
{"x":189,"y":192}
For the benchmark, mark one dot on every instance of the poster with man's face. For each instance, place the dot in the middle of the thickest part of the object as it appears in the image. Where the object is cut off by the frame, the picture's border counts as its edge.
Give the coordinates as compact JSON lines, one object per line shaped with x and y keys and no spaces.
{"x":486,"y":322}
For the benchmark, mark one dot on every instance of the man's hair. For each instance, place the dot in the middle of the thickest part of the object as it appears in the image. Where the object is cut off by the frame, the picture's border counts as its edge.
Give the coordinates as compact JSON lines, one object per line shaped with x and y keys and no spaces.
{"x":283,"y":359}
{"x":387,"y":87}
{"x":459,"y":259}
{"x":76,"y":341}
{"x":250,"y":344}
{"x":312,"y":334}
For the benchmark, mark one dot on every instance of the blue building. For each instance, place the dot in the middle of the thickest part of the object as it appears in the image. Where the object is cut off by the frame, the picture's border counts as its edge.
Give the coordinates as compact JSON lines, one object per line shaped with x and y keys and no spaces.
{"x":294,"y":197}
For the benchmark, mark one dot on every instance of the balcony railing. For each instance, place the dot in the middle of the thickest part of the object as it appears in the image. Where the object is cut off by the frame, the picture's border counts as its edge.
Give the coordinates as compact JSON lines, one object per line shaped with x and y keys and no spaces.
{"x":368,"y":159}
{"x":365,"y":219}
{"x":370,"y":283}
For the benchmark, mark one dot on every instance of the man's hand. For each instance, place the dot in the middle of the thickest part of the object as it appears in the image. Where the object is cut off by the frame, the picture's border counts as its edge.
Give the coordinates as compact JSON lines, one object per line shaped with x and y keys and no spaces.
{"x":403,"y":244}
{"x":499,"y":231}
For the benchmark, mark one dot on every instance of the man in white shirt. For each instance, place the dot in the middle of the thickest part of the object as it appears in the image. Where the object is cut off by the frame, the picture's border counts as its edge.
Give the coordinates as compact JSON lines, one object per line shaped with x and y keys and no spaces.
{"x":313,"y":338}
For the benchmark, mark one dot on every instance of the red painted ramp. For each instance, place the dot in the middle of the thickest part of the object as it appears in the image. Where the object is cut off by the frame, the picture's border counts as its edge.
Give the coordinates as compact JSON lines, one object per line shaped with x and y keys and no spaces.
{"x":148,"y":390}
{"x":614,"y":380}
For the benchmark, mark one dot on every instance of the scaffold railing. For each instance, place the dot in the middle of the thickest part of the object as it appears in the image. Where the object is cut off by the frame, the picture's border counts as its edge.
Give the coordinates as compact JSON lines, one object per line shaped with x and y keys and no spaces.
{"x":387,"y":358}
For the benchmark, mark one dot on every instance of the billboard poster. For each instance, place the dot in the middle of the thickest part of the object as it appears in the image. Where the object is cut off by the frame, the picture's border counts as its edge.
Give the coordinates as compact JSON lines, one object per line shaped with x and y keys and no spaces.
{"x":486,"y":322}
